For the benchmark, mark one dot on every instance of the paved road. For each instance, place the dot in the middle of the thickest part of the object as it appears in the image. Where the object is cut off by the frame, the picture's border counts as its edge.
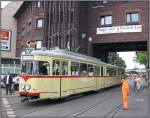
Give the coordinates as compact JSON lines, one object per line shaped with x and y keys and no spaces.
{"x":104,"y":103}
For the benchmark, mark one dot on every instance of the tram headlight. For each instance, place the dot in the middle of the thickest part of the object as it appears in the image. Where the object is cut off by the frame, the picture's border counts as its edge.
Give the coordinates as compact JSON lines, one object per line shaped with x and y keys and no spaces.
{"x":28,"y":86}
{"x":22,"y":86}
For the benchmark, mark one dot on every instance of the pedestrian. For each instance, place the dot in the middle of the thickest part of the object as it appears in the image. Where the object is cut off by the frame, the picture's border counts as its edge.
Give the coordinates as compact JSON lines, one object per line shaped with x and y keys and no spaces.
{"x":134,"y":82}
{"x":8,"y":83}
{"x":125,"y":93}
{"x":138,"y":82}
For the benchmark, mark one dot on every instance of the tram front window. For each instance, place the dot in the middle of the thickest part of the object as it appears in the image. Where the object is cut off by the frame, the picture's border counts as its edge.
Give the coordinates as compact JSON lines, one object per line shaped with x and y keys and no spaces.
{"x":27,"y":68}
{"x":35,"y":68}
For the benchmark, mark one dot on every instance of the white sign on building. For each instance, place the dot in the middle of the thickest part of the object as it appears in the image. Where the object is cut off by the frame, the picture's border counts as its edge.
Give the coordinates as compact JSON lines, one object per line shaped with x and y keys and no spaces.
{"x":119,"y":29}
{"x":5,"y":40}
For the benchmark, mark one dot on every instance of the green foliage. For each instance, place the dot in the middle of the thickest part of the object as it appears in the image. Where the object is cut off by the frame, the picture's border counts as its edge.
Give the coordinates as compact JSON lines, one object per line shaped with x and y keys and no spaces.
{"x":141,"y":58}
{"x":114,"y":59}
{"x":133,"y":72}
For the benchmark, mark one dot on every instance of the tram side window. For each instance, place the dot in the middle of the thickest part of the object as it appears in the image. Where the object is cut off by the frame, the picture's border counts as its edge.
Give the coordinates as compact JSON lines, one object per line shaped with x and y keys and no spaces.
{"x":74,"y":68}
{"x":97,"y":71}
{"x":83,"y":69}
{"x":56,"y":67}
{"x":64,"y":67}
{"x":111,"y":72}
{"x":102,"y":71}
{"x":43,"y":68}
{"x":90,"y":70}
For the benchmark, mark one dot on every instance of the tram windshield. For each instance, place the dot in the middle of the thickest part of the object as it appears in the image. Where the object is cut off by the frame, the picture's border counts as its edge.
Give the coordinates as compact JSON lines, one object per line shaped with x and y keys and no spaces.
{"x":35,"y":68}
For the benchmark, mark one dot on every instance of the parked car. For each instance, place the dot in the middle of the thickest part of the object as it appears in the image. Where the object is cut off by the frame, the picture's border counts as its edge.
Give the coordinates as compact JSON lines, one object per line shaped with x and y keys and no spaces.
{"x":2,"y":80}
{"x":15,"y":85}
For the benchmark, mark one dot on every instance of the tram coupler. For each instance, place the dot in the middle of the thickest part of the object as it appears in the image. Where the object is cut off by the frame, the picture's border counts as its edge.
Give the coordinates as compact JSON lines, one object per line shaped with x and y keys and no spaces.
{"x":24,"y":99}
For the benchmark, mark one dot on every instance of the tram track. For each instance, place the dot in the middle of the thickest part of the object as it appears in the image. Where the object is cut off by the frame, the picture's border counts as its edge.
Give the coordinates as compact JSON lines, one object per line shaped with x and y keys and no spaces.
{"x":113,"y":112}
{"x":94,"y":101}
{"x":88,"y":108}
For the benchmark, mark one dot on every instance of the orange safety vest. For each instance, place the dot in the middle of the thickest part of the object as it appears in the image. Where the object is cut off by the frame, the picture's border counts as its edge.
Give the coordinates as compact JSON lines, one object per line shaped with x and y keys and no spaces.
{"x":125,"y":87}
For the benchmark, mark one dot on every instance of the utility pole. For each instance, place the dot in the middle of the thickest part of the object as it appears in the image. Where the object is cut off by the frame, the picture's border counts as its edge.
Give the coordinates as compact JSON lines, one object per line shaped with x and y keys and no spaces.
{"x":0,"y":42}
{"x":149,"y":49}
{"x":0,"y":57}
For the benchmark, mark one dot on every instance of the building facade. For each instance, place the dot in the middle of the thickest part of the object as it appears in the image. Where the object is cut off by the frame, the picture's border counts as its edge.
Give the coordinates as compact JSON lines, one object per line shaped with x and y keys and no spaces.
{"x":30,"y":25}
{"x":52,"y":24}
{"x":118,"y":26}
{"x":93,"y":28}
{"x":8,"y":38}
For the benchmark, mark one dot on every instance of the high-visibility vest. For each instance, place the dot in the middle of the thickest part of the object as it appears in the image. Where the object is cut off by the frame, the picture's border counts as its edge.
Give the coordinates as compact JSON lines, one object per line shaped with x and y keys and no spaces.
{"x":125,"y":87}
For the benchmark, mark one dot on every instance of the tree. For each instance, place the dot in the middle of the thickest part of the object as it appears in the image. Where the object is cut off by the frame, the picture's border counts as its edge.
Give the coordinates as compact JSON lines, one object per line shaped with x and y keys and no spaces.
{"x":141,"y":58}
{"x":114,"y":59}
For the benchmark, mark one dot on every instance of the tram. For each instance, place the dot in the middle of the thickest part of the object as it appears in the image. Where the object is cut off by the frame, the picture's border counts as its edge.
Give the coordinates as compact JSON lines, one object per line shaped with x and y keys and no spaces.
{"x":58,"y":73}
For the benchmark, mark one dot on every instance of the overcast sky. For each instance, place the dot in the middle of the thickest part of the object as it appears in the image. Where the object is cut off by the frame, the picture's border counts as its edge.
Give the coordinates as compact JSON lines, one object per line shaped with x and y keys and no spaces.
{"x":126,"y":56}
{"x":4,"y":3}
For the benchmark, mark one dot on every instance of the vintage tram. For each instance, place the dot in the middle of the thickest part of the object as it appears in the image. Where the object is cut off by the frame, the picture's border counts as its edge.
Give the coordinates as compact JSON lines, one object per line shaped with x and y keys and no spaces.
{"x":58,"y":73}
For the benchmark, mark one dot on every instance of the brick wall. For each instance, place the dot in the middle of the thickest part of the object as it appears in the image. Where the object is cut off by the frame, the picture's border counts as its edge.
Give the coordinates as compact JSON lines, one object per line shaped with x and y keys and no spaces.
{"x":28,"y":13}
{"x":118,"y":11}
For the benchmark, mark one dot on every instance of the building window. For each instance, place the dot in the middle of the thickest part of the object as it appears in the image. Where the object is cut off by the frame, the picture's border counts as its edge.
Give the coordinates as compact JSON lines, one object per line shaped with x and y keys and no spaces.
{"x":106,"y":20}
{"x":38,"y":44}
{"x":29,"y":26}
{"x":23,"y":31}
{"x":132,"y":18}
{"x":38,"y":4}
{"x":39,"y":23}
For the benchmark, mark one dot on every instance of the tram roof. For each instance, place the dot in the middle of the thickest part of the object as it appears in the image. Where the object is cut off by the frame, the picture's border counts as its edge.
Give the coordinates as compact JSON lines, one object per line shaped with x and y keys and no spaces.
{"x":62,"y":53}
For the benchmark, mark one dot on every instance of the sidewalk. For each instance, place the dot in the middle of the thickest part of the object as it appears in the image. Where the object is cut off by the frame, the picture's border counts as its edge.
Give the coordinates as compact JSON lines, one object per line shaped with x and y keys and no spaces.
{"x":138,"y":105}
{"x":3,"y":93}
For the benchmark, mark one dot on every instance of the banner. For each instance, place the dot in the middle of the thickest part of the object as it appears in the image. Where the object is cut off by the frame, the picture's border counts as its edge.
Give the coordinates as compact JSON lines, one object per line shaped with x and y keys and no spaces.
{"x":5,"y":40}
{"x":119,"y":29}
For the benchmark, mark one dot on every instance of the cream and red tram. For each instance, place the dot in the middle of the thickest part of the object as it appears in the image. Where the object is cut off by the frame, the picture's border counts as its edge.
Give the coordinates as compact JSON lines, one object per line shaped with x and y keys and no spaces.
{"x":60,"y":73}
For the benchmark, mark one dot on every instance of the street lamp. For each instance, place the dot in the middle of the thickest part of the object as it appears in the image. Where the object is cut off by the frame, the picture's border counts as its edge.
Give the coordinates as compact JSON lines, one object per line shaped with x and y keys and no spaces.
{"x":90,"y":39}
{"x":89,"y":45}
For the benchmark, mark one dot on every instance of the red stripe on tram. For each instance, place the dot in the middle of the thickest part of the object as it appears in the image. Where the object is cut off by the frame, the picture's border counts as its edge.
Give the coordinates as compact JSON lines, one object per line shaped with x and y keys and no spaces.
{"x":29,"y":93}
{"x":33,"y":94}
{"x":26,"y":77}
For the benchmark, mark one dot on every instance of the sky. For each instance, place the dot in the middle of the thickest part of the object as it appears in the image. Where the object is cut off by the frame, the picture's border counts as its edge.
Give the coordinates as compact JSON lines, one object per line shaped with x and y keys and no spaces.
{"x":126,"y":56}
{"x":4,"y":3}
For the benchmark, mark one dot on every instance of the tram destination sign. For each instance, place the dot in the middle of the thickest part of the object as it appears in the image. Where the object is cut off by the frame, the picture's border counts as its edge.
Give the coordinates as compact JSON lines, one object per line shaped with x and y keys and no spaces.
{"x":27,"y":57}
{"x":119,"y":29}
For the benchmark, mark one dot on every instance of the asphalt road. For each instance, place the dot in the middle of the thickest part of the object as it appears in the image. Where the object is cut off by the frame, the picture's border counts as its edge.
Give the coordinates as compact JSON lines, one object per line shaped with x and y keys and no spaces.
{"x":105,"y":103}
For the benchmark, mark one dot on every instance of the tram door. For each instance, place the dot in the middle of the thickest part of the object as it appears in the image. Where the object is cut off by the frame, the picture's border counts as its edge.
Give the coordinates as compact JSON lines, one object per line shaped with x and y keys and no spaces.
{"x":56,"y":73}
{"x":64,"y":78}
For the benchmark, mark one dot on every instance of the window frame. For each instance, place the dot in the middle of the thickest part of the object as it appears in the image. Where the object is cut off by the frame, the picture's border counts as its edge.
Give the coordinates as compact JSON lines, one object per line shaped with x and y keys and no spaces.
{"x":36,"y":44}
{"x":59,"y":67}
{"x":77,"y":67}
{"x":38,"y":4}
{"x":81,"y":71}
{"x":42,"y":23}
{"x":97,"y":70}
{"x":63,"y":67}
{"x":89,"y":68}
{"x":130,"y":15}
{"x":104,"y":17}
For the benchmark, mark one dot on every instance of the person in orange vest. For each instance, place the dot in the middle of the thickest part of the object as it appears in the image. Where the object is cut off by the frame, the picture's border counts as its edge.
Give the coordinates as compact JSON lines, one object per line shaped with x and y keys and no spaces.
{"x":125,"y":93}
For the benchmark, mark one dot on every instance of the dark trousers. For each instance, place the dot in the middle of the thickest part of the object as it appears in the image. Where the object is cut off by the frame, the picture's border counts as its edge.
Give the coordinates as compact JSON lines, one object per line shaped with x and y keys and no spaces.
{"x":8,"y":89}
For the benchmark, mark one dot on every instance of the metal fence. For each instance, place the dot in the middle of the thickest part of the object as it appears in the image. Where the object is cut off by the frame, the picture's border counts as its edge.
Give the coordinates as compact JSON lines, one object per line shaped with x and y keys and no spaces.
{"x":12,"y":68}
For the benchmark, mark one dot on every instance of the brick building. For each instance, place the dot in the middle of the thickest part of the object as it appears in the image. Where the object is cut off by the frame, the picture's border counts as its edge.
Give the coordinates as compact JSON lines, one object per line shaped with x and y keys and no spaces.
{"x":108,"y":16}
{"x":30,"y":25}
{"x":93,"y":28}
